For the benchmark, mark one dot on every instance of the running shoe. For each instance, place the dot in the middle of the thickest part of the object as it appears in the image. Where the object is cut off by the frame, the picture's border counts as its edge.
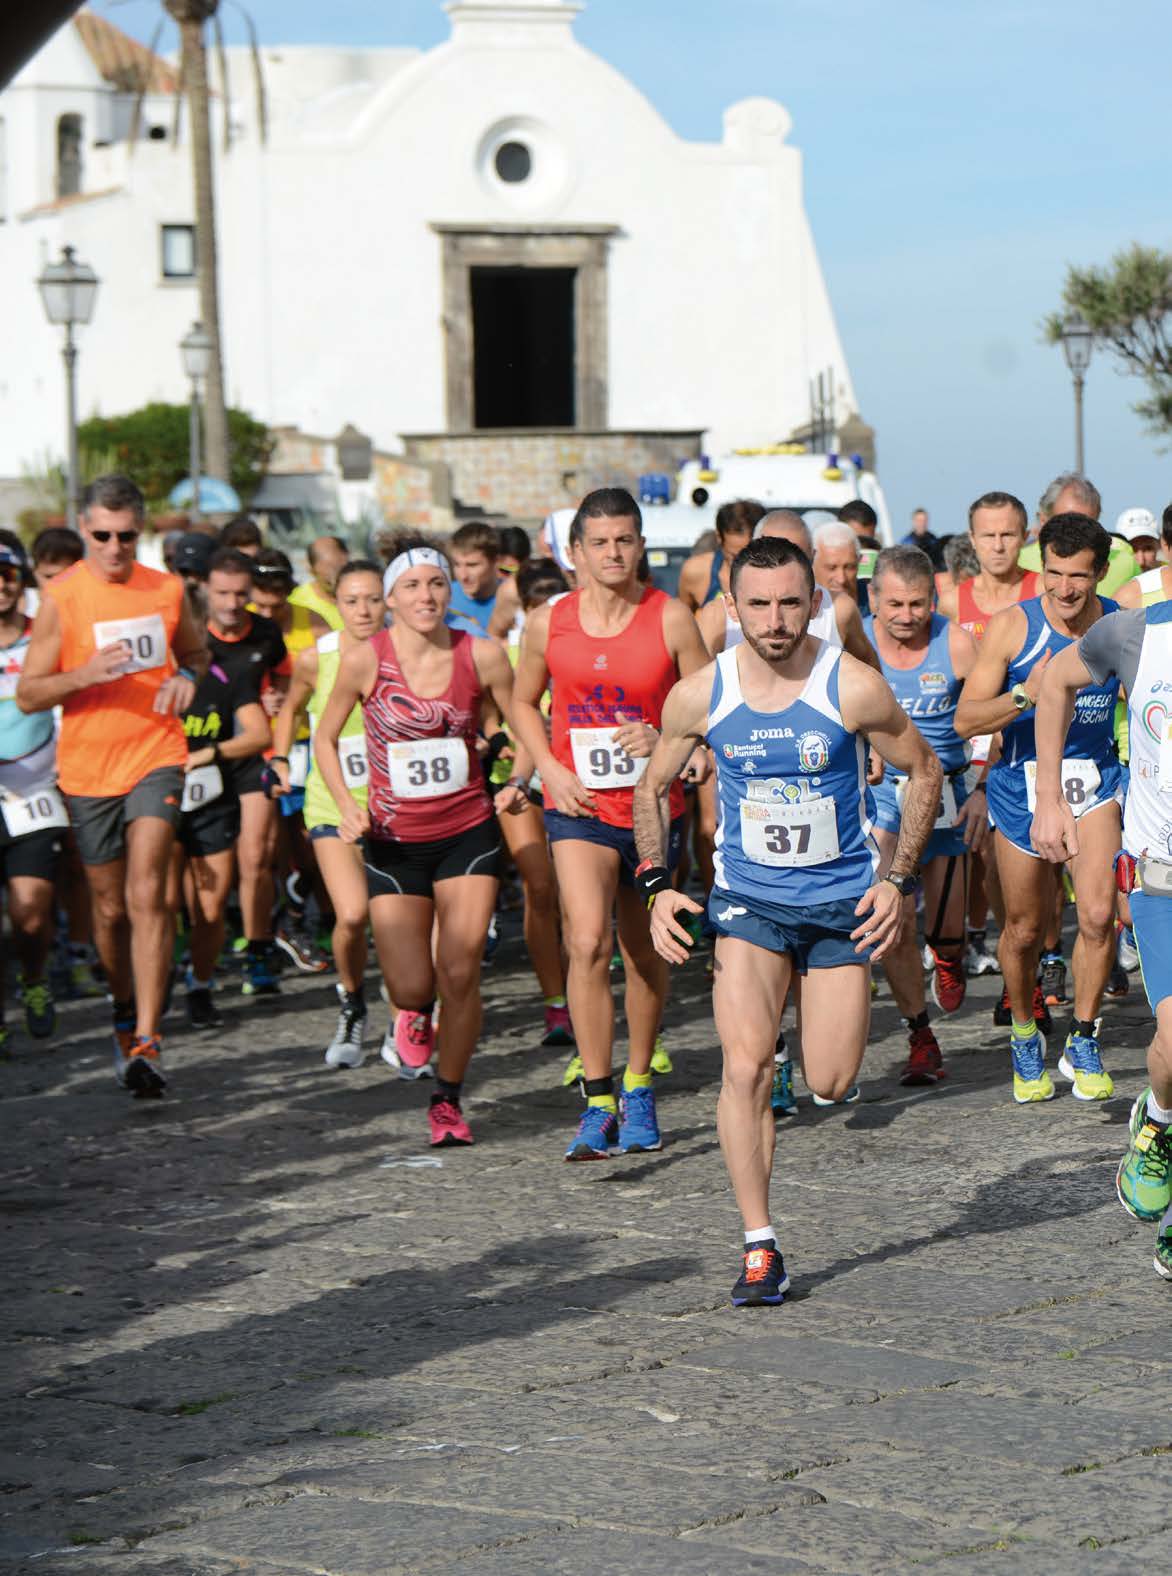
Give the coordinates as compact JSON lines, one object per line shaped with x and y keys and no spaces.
{"x":782,"y":1100}
{"x":574,"y":1072}
{"x":260,"y":976}
{"x":763,"y":1280}
{"x":1002,"y":1012}
{"x":1052,"y":980}
{"x":201,"y":1009}
{"x":408,"y":1048}
{"x":597,"y":1135}
{"x":660,"y":1060}
{"x":948,"y":984}
{"x":492,"y":941}
{"x":123,"y":1040}
{"x":927,"y":958}
{"x":978,"y":960}
{"x":1041,"y":1012}
{"x":1144,"y":1178}
{"x":300,"y":948}
{"x":1081,"y":1063}
{"x":558,"y":1028}
{"x":925,"y":1064}
{"x":849,"y":1098}
{"x":346,"y":1048}
{"x":1162,"y":1263}
{"x":638,"y":1127}
{"x":1126,"y":951}
{"x":1118,"y":983}
{"x":447,"y":1124}
{"x":40,"y":1014}
{"x":142,"y":1068}
{"x":1031,"y":1081}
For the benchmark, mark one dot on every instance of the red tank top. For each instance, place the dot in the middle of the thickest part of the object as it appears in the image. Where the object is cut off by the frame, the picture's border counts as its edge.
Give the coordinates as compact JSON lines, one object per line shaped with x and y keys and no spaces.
{"x":969,"y":616}
{"x":592,"y":678}
{"x":425,"y":778}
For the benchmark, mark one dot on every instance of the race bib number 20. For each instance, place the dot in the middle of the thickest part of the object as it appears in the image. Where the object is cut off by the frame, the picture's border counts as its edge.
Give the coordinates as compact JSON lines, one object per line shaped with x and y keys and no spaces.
{"x":145,"y":639}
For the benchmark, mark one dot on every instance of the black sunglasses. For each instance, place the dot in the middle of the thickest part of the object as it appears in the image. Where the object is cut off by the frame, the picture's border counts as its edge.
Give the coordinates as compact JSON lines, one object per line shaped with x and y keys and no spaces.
{"x":124,"y":537}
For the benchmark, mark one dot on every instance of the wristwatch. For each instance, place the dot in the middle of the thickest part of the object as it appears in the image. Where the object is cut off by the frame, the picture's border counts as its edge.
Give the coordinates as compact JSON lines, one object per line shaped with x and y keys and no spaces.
{"x":1022,"y":698}
{"x":904,"y":885}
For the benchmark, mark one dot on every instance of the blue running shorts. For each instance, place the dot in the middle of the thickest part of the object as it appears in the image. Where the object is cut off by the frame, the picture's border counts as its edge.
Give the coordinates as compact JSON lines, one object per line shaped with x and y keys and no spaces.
{"x":946,"y":841}
{"x":1151,"y":918}
{"x":816,"y":936}
{"x":1009,"y":809}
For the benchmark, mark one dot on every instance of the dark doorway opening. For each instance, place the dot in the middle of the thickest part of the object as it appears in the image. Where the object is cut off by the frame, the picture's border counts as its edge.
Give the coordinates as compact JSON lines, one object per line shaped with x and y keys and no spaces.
{"x":523,"y":347}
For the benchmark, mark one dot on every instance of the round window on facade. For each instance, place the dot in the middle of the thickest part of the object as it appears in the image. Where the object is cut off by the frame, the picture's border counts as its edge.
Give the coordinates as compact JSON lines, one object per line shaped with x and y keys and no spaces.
{"x":513,"y":162}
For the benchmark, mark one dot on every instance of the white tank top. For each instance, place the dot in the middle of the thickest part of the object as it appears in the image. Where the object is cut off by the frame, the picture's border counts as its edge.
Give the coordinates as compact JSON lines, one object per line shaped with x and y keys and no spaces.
{"x":823,"y":623}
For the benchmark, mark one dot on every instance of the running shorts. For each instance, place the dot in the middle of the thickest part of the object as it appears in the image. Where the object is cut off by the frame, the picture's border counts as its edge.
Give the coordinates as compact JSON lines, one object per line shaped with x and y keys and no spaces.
{"x":1009,"y":810}
{"x":816,"y":936}
{"x":944,"y":841}
{"x":34,"y":855}
{"x":413,"y":869}
{"x":99,"y":823}
{"x":1151,"y":919}
{"x":561,"y":828}
{"x":212,"y":828}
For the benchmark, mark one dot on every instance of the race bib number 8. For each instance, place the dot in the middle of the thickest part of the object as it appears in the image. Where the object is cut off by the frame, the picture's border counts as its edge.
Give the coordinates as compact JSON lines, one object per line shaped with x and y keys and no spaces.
{"x":789,"y":835}
{"x":201,"y":786}
{"x":600,"y":762}
{"x":352,"y":755}
{"x":1080,"y":783}
{"x":427,"y":768}
{"x":145,"y":639}
{"x":38,"y":811}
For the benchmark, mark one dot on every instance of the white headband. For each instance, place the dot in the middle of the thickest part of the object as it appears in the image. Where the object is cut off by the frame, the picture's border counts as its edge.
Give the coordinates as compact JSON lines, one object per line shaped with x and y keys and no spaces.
{"x":411,"y":559}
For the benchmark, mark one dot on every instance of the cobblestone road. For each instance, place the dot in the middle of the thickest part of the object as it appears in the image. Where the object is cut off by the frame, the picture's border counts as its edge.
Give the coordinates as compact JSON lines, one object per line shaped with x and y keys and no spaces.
{"x":258,"y":1327}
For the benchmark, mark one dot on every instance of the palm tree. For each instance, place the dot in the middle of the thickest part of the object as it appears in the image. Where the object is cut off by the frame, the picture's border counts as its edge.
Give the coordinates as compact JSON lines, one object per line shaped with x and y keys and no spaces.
{"x":190,"y":15}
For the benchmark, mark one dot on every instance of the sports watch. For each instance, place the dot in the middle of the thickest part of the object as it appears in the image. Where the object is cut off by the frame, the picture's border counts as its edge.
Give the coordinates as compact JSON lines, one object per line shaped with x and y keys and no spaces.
{"x":1022,"y":698}
{"x":904,"y":885}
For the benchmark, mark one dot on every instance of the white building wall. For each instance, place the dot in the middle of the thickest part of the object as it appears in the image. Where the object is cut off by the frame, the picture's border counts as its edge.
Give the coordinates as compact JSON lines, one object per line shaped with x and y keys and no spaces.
{"x":330,"y":270}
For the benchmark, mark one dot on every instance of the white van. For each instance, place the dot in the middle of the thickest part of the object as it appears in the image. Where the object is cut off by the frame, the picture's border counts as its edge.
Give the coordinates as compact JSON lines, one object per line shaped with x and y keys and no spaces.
{"x":670,"y":531}
{"x":782,"y":479}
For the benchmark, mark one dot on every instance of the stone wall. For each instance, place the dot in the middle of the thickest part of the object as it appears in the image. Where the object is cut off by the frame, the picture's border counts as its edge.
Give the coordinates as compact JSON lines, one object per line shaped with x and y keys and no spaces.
{"x":524,"y":474}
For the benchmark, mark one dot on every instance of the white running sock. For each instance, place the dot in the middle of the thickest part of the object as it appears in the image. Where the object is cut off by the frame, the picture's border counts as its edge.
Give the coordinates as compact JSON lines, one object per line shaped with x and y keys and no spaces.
{"x":1157,"y":1111}
{"x":758,"y":1235}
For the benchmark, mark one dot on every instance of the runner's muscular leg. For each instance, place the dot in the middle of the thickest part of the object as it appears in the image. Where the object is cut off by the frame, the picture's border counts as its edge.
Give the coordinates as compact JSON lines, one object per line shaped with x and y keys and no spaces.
{"x":208,"y":885}
{"x":646,"y":978}
{"x":402,"y":939}
{"x":341,"y":869}
{"x":949,"y":921}
{"x":256,"y":849}
{"x":149,"y":840}
{"x":835,"y":1017}
{"x":30,"y":910}
{"x":1092,"y":871}
{"x":463,"y":906}
{"x":749,"y":986}
{"x":524,"y":837}
{"x":1027,"y":890}
{"x":588,"y":878}
{"x":107,"y":884}
{"x":901,"y":965}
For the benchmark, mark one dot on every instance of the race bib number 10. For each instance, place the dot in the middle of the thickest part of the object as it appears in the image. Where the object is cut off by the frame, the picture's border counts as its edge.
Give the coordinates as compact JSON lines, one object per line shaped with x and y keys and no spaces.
{"x":145,"y":639}
{"x":1080,"y":783}
{"x":789,"y":835}
{"x":600,"y":762}
{"x":427,"y":768}
{"x":38,"y":811}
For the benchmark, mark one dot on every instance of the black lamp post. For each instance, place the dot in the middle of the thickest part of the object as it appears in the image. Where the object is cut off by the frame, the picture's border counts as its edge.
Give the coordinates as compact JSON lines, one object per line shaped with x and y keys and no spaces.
{"x":1078,"y":340}
{"x":68,"y":289}
{"x":196,"y":349}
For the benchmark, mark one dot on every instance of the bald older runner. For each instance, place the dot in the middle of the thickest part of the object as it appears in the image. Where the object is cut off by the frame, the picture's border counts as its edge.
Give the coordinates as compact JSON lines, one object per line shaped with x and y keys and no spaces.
{"x":325,"y":556}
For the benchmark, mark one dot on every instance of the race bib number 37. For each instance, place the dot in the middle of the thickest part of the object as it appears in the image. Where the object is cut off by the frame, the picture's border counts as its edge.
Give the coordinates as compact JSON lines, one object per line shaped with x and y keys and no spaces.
{"x":427,"y":768}
{"x":789,"y":835}
{"x":145,"y":639}
{"x":600,"y":762}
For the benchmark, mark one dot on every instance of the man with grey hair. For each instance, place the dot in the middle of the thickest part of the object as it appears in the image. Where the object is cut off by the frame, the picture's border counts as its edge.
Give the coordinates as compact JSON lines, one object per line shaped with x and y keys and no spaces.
{"x":836,"y":558}
{"x":1070,"y":493}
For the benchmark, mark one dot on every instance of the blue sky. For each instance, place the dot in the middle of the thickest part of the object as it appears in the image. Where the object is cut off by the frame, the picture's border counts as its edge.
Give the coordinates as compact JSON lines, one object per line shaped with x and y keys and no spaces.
{"x":958,"y":154}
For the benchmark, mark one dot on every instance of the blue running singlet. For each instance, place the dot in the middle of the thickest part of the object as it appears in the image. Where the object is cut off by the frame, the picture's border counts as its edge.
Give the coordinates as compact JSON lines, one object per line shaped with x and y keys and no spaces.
{"x":794,"y":812}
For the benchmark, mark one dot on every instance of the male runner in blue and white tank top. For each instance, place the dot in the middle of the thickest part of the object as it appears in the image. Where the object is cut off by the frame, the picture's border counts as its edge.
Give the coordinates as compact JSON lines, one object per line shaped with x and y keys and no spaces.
{"x":787,"y":717}
{"x":1134,"y":647}
{"x":1000,"y":694}
{"x":925,"y":660}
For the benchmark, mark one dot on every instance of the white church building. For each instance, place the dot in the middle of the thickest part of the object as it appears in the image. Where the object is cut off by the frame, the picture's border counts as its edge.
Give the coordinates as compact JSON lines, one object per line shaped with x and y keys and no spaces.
{"x":493,"y":257}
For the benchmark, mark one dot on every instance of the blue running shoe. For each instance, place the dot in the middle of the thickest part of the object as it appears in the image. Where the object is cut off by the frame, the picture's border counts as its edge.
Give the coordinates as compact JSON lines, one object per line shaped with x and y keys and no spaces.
{"x":1083,"y":1065}
{"x":782,"y":1100}
{"x":763,"y":1280}
{"x":638,"y":1128}
{"x":597,"y":1135}
{"x":1031,"y":1081}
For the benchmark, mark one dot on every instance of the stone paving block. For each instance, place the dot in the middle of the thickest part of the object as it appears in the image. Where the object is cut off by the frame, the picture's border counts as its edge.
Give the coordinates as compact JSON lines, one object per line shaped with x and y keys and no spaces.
{"x":574,"y":1553}
{"x":834,"y":1364}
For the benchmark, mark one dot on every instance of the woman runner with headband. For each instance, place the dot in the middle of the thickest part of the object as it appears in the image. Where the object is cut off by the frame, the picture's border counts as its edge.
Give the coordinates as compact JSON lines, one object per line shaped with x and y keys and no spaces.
{"x":431,"y":846}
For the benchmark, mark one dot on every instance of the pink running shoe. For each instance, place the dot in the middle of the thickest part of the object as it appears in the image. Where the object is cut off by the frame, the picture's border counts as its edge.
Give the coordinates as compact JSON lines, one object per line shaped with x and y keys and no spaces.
{"x":447,"y":1124}
{"x":558,"y":1030}
{"x":409,"y":1048}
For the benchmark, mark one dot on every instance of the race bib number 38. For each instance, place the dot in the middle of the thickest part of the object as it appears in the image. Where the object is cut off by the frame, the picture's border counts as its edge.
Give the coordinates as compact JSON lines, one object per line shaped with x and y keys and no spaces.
{"x":145,"y":639}
{"x":427,"y":768}
{"x":792,"y":835}
{"x":1080,"y":783}
{"x":600,"y":762}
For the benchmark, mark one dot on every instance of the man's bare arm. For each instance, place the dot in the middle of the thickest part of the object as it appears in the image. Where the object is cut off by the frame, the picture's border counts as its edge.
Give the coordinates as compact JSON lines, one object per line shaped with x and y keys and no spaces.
{"x":685,"y":712}
{"x":985,"y":705}
{"x":42,"y":684}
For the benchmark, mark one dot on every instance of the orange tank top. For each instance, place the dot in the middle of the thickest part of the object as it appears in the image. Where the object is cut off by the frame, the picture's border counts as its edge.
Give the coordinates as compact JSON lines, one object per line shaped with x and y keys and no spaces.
{"x":111,"y":737}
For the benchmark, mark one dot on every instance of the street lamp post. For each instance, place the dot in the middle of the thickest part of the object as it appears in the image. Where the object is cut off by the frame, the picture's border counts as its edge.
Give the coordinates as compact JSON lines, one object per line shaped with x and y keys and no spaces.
{"x":196,"y":350}
{"x":68,"y":289}
{"x":1078,"y":340}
